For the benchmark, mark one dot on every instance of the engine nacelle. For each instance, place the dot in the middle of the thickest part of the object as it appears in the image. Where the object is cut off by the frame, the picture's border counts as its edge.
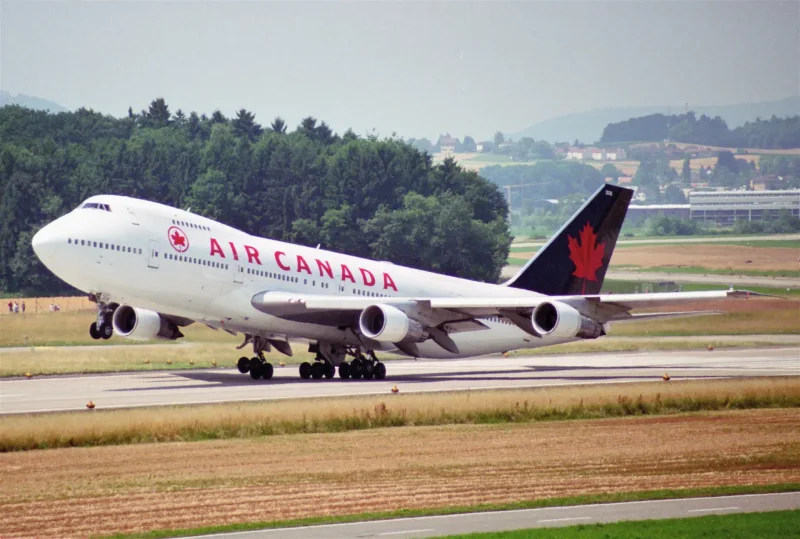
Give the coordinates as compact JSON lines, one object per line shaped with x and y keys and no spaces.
{"x":384,"y":323}
{"x":564,"y":322}
{"x":141,"y":324}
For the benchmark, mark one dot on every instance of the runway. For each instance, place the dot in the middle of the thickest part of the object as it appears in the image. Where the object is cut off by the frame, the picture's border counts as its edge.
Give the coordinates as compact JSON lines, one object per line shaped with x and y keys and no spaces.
{"x":127,"y":390}
{"x":551,"y":517}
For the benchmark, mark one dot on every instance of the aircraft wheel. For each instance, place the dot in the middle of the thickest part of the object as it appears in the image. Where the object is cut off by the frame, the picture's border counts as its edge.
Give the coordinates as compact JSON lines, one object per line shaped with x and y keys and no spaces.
{"x":380,"y":371}
{"x":344,"y":370}
{"x":266,"y":371}
{"x":330,"y":371}
{"x":243,"y":365}
{"x":106,"y":331}
{"x":93,"y":331}
{"x":369,"y":370}
{"x":305,"y":370}
{"x":255,"y":370}
{"x":356,"y":369}
{"x":317,"y":370}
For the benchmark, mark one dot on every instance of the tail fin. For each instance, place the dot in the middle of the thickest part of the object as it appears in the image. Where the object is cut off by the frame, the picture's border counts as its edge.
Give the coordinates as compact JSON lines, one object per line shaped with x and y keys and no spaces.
{"x":575,"y":260}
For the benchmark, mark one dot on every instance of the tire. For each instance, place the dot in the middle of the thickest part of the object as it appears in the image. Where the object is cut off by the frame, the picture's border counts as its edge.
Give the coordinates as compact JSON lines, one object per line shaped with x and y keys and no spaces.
{"x":243,"y":365}
{"x":369,"y":371}
{"x":317,"y":370}
{"x":344,"y":370}
{"x":255,"y":370}
{"x":266,"y":371}
{"x":380,"y":371}
{"x":106,"y":331}
{"x":305,"y":370}
{"x":356,"y":369}
{"x":93,"y":331}
{"x":330,"y":371}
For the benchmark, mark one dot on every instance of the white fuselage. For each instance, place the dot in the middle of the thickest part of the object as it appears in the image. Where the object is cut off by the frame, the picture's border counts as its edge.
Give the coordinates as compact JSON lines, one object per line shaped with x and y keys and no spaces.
{"x":174,"y":262}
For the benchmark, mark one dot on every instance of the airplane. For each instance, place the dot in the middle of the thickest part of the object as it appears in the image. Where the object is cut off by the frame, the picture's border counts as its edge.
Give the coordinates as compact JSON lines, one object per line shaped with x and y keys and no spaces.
{"x":153,"y":269}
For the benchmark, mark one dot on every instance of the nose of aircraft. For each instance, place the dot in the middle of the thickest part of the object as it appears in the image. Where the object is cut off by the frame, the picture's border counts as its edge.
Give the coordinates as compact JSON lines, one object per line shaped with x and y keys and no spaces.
{"x":45,"y":243}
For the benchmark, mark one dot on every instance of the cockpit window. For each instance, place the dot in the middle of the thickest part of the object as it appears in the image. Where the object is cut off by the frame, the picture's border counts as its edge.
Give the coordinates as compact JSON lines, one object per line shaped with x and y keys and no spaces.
{"x":96,"y":206}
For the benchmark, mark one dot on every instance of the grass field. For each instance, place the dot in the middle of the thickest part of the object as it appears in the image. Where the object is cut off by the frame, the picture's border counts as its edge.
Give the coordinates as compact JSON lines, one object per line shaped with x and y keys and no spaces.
{"x":137,"y":488}
{"x":245,"y":420}
{"x":738,"y":526}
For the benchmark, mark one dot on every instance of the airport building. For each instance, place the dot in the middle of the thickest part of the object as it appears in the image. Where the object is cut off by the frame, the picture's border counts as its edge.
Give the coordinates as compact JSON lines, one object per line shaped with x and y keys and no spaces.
{"x":723,"y":208}
{"x":638,"y":213}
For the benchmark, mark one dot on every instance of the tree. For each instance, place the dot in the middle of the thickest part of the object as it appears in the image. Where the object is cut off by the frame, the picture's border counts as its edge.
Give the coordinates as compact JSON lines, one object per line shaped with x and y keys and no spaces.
{"x":245,"y":126}
{"x":499,"y":138}
{"x":686,"y":171}
{"x":469,"y":144}
{"x":278,"y":125}
{"x":157,"y":114}
{"x":610,"y":171}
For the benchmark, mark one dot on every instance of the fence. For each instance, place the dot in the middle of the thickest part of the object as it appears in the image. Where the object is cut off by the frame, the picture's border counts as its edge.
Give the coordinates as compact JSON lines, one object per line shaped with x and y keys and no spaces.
{"x":40,"y":305}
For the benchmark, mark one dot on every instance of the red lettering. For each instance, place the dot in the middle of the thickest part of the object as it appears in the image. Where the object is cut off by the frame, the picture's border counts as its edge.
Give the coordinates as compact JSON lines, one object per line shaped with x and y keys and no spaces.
{"x":252,"y":254}
{"x":367,"y":276}
{"x":233,"y":248}
{"x":278,"y":255}
{"x":216,"y":249}
{"x":346,"y":274}
{"x":388,"y":282}
{"x":324,"y":266}
{"x":302,"y":265}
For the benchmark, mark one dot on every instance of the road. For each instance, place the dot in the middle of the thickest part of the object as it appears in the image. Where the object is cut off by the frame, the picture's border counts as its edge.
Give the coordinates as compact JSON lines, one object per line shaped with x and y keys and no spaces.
{"x":687,"y":239}
{"x":551,"y":517}
{"x":161,"y":388}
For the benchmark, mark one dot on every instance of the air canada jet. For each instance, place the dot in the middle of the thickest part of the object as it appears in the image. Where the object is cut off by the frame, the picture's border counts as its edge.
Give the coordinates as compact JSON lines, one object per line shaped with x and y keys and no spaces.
{"x":152,"y":270}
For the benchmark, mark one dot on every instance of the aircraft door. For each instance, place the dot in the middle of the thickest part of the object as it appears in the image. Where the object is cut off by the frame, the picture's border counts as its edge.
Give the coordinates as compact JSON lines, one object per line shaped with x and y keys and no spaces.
{"x":238,"y":277}
{"x":152,"y":255}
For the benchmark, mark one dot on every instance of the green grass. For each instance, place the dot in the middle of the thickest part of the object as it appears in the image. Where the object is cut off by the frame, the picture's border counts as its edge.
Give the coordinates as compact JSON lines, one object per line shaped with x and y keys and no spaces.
{"x":707,"y":271}
{"x":528,"y":504}
{"x":736,"y":526}
{"x":629,"y":287}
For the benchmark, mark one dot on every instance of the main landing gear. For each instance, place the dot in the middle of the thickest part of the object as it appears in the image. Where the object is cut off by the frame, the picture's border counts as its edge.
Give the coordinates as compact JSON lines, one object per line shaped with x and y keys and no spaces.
{"x":361,"y":366}
{"x":257,"y":366}
{"x":103,"y":328}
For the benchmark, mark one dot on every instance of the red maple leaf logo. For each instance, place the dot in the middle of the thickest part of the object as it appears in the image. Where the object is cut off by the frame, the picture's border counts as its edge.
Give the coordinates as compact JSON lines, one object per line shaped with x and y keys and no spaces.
{"x":586,"y":256}
{"x":178,"y":239}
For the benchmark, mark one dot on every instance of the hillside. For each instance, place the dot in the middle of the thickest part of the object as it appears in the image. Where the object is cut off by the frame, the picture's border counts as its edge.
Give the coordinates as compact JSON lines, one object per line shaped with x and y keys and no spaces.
{"x":31,"y":102}
{"x":588,"y":126}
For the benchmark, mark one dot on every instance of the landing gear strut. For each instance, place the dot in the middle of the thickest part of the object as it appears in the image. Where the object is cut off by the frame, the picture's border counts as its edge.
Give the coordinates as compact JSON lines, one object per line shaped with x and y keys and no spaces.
{"x":257,"y":366}
{"x":102,"y":328}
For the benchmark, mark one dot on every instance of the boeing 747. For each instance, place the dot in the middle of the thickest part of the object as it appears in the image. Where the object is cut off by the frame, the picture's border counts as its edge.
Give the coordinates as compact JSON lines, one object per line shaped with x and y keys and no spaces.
{"x":153,"y":270}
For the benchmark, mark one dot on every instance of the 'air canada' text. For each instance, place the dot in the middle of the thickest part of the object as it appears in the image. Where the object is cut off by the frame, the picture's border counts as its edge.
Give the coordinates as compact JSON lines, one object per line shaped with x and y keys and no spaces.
{"x":285,"y":262}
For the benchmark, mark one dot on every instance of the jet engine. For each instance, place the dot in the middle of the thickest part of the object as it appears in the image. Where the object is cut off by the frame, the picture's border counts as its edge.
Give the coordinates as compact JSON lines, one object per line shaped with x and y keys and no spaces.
{"x":385,"y":323}
{"x":141,"y":324}
{"x":564,"y":322}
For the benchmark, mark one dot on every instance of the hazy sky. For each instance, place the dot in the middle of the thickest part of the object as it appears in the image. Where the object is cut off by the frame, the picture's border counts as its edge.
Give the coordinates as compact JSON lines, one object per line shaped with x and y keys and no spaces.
{"x":417,"y":68}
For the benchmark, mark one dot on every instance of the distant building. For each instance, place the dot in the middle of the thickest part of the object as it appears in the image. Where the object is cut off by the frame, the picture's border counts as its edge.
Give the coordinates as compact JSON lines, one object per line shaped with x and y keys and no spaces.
{"x":447,"y":144}
{"x":637,"y":213}
{"x":596,"y":154}
{"x":767,"y":183}
{"x":723,"y":208}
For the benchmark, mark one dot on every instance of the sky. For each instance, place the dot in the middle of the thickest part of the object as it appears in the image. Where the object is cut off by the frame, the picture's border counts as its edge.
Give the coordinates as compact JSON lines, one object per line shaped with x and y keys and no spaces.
{"x":412,"y":68}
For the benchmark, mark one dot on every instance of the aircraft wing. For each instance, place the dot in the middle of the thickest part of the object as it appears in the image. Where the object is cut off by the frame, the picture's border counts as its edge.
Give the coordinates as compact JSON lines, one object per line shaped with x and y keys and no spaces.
{"x":337,"y":310}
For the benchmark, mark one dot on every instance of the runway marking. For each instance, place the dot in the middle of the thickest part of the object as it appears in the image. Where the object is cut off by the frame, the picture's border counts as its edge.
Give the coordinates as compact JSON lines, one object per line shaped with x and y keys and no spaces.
{"x":713,"y":509}
{"x":563,"y":519}
{"x":407,"y":531}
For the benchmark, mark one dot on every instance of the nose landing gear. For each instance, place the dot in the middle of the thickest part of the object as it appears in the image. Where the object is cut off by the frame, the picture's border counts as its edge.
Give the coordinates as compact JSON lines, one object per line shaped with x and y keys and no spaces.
{"x":102,"y":328}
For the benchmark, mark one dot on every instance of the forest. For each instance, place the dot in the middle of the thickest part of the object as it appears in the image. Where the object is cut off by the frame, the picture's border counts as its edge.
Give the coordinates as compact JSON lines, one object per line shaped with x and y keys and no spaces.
{"x":366,"y":196}
{"x":775,"y":133}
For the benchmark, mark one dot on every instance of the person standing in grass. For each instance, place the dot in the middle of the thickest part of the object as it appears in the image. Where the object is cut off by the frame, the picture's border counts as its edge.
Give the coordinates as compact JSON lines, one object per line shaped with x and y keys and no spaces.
{"x":10,"y":307}
{"x":16,"y":308}
{"x":23,"y":307}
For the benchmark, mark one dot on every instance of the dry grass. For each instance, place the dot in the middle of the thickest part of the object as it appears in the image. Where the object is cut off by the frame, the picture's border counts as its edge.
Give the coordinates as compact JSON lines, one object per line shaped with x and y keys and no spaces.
{"x":102,"y":490}
{"x":721,"y":257}
{"x":354,"y":413}
{"x":627,"y":168}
